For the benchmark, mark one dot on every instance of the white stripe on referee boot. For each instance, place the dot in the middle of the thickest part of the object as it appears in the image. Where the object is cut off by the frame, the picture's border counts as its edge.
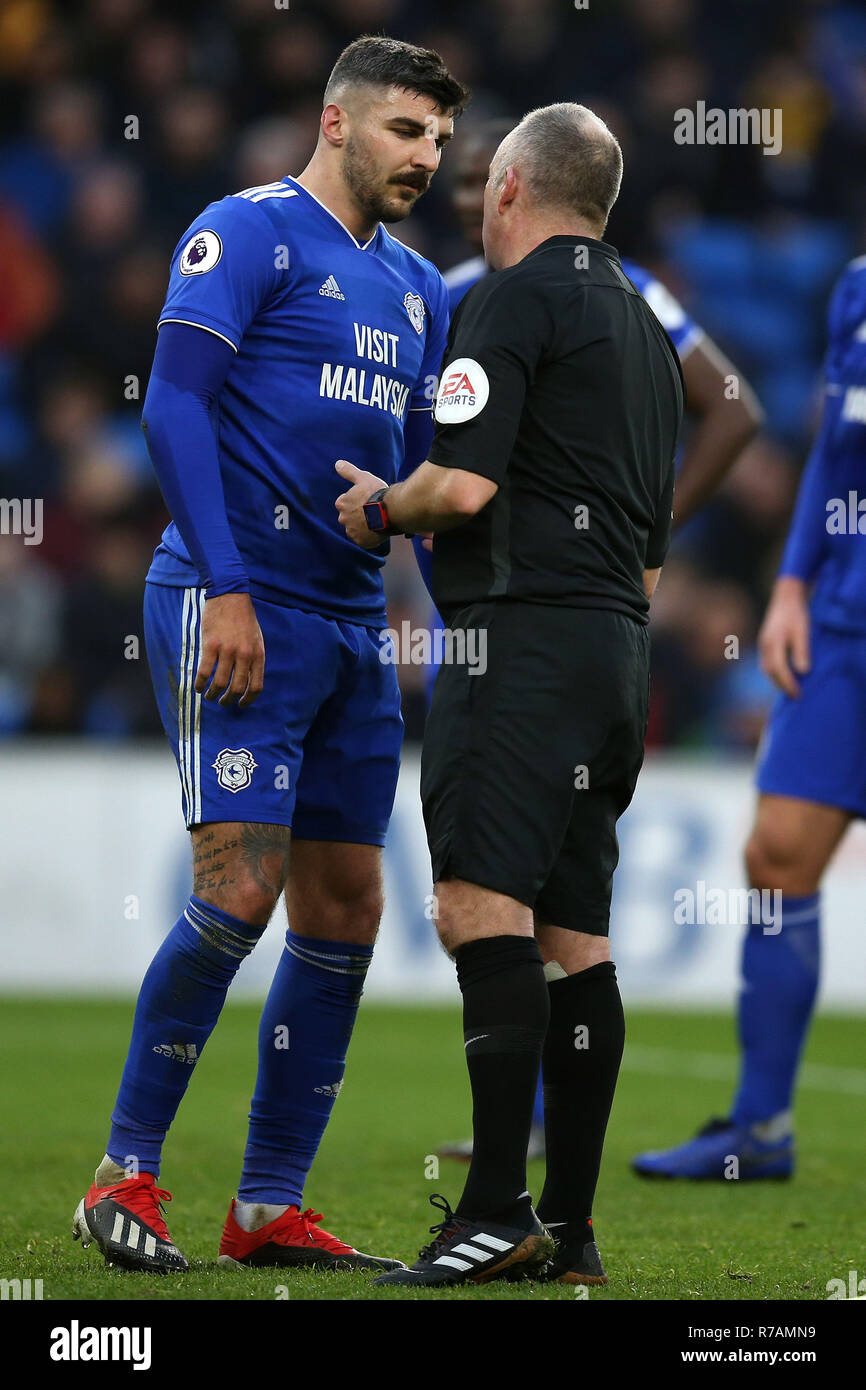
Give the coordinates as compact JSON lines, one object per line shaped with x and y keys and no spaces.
{"x":134,"y":1235}
{"x":150,"y":1245}
{"x":117,"y":1228}
{"x":493,"y":1241}
{"x":479,"y":1256}
{"x":455,"y":1264}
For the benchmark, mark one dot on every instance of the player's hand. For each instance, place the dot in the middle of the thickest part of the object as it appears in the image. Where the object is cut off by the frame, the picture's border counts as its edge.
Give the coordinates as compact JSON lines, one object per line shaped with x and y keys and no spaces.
{"x":231,"y":642}
{"x":350,"y":505}
{"x":783,"y":641}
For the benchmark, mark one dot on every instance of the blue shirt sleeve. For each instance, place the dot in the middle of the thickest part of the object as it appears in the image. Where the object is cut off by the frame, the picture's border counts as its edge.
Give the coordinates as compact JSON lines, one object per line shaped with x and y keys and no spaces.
{"x":223,"y":269}
{"x":189,"y":369}
{"x":807,"y":541}
{"x":807,"y":537}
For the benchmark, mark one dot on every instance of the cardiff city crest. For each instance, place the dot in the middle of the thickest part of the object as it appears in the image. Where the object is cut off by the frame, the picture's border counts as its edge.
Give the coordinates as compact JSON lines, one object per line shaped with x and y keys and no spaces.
{"x":234,"y":768}
{"x":414,"y":305}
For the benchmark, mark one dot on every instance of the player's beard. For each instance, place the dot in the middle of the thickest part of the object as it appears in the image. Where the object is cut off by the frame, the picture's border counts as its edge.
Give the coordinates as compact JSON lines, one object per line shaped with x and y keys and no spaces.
{"x":376,"y":198}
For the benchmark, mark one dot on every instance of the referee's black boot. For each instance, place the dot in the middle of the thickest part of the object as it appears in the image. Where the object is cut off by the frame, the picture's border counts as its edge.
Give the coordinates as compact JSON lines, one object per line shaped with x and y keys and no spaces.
{"x":466,"y":1251}
{"x":576,"y":1259}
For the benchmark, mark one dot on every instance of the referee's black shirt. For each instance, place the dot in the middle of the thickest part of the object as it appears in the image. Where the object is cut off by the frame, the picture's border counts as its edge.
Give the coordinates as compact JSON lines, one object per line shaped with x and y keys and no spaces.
{"x":559,"y":384}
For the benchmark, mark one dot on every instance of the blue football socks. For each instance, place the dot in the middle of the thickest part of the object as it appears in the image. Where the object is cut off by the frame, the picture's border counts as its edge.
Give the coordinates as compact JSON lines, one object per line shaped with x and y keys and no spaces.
{"x":303,"y":1040}
{"x":780,"y":982}
{"x":178,"y":1005}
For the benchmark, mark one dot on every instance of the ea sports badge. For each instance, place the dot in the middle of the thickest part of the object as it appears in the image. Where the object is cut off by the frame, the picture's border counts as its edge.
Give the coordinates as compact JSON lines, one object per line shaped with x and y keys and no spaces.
{"x":201,"y":253}
{"x":234,"y":768}
{"x":463,"y":392}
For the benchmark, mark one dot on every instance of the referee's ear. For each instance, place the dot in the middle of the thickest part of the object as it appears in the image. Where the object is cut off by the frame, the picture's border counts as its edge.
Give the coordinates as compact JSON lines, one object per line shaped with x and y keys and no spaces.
{"x":509,"y":188}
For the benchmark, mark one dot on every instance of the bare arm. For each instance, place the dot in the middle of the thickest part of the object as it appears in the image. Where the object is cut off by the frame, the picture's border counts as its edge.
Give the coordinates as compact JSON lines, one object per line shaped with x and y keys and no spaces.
{"x":650,"y":580}
{"x":724,"y":425}
{"x":431,"y":499}
{"x":436,"y":499}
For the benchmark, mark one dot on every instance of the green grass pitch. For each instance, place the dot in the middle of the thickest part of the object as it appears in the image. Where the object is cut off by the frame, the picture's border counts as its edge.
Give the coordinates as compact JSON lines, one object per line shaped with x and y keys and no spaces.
{"x":405,"y":1092}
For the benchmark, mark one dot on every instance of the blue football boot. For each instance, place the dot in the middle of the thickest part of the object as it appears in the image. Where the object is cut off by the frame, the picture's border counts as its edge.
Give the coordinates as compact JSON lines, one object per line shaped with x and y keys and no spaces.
{"x":711,"y":1154}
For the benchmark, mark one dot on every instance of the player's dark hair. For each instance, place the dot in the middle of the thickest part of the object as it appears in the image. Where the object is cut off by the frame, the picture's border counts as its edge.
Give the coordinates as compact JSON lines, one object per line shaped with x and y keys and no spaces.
{"x":376,"y":61}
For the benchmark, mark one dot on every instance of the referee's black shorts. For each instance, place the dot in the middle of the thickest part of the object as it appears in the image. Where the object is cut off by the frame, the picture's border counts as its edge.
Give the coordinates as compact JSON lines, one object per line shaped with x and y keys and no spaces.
{"x":527,"y":767}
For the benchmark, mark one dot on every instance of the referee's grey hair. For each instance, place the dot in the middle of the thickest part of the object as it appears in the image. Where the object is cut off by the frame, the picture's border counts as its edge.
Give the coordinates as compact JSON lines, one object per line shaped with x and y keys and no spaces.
{"x":569,"y":158}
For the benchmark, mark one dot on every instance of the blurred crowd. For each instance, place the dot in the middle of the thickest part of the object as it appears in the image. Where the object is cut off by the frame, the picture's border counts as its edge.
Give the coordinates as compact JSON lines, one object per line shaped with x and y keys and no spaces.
{"x":121,"y":119}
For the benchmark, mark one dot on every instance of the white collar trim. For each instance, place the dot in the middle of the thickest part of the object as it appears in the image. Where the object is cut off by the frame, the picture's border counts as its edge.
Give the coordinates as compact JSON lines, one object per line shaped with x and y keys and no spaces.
{"x":360,"y":246}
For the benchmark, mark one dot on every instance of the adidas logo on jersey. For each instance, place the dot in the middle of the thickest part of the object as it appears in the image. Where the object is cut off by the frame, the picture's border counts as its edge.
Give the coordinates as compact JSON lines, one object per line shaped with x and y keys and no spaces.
{"x":179,"y":1052}
{"x":331,"y":290}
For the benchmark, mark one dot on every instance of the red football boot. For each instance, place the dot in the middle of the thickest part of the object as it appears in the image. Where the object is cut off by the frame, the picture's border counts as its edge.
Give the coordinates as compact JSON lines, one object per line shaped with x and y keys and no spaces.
{"x":296,"y":1239}
{"x":125,"y":1220}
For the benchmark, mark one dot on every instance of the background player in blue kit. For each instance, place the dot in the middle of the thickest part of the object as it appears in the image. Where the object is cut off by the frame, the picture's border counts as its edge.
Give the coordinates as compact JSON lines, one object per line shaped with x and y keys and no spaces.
{"x":722,"y":424}
{"x":811,"y":772}
{"x":295,"y":330}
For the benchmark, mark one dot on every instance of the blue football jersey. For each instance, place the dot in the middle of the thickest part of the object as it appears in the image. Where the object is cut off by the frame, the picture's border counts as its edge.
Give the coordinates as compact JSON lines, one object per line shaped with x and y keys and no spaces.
{"x":827,"y":541}
{"x":683,"y":331}
{"x":335,"y":343}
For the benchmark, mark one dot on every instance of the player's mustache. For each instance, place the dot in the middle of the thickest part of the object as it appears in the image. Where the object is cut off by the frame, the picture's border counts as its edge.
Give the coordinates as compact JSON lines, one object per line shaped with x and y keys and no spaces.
{"x":419,"y":181}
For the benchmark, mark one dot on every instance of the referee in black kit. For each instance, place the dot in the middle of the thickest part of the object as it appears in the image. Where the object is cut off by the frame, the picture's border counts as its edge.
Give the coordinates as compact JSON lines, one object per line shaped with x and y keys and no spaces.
{"x":549,"y":486}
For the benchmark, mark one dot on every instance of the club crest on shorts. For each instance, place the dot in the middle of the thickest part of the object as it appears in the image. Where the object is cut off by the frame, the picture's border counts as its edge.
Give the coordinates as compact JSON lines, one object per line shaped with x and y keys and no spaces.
{"x":201,"y":253}
{"x":414,"y":306}
{"x":234,"y":768}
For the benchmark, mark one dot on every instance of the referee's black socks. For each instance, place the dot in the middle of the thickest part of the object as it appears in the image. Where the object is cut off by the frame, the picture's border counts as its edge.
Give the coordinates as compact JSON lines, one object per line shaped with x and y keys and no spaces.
{"x":505,"y":1017}
{"x":580,"y":1065}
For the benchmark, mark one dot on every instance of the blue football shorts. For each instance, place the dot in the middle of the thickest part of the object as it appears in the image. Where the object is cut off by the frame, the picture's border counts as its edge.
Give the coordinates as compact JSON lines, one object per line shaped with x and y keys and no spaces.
{"x":319,"y":750}
{"x":814,"y":747}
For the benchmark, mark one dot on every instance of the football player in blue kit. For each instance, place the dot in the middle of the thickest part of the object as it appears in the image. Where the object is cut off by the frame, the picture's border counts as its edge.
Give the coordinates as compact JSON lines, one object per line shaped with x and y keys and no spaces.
{"x":723,"y":423}
{"x":811,"y":770}
{"x":296,"y":330}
